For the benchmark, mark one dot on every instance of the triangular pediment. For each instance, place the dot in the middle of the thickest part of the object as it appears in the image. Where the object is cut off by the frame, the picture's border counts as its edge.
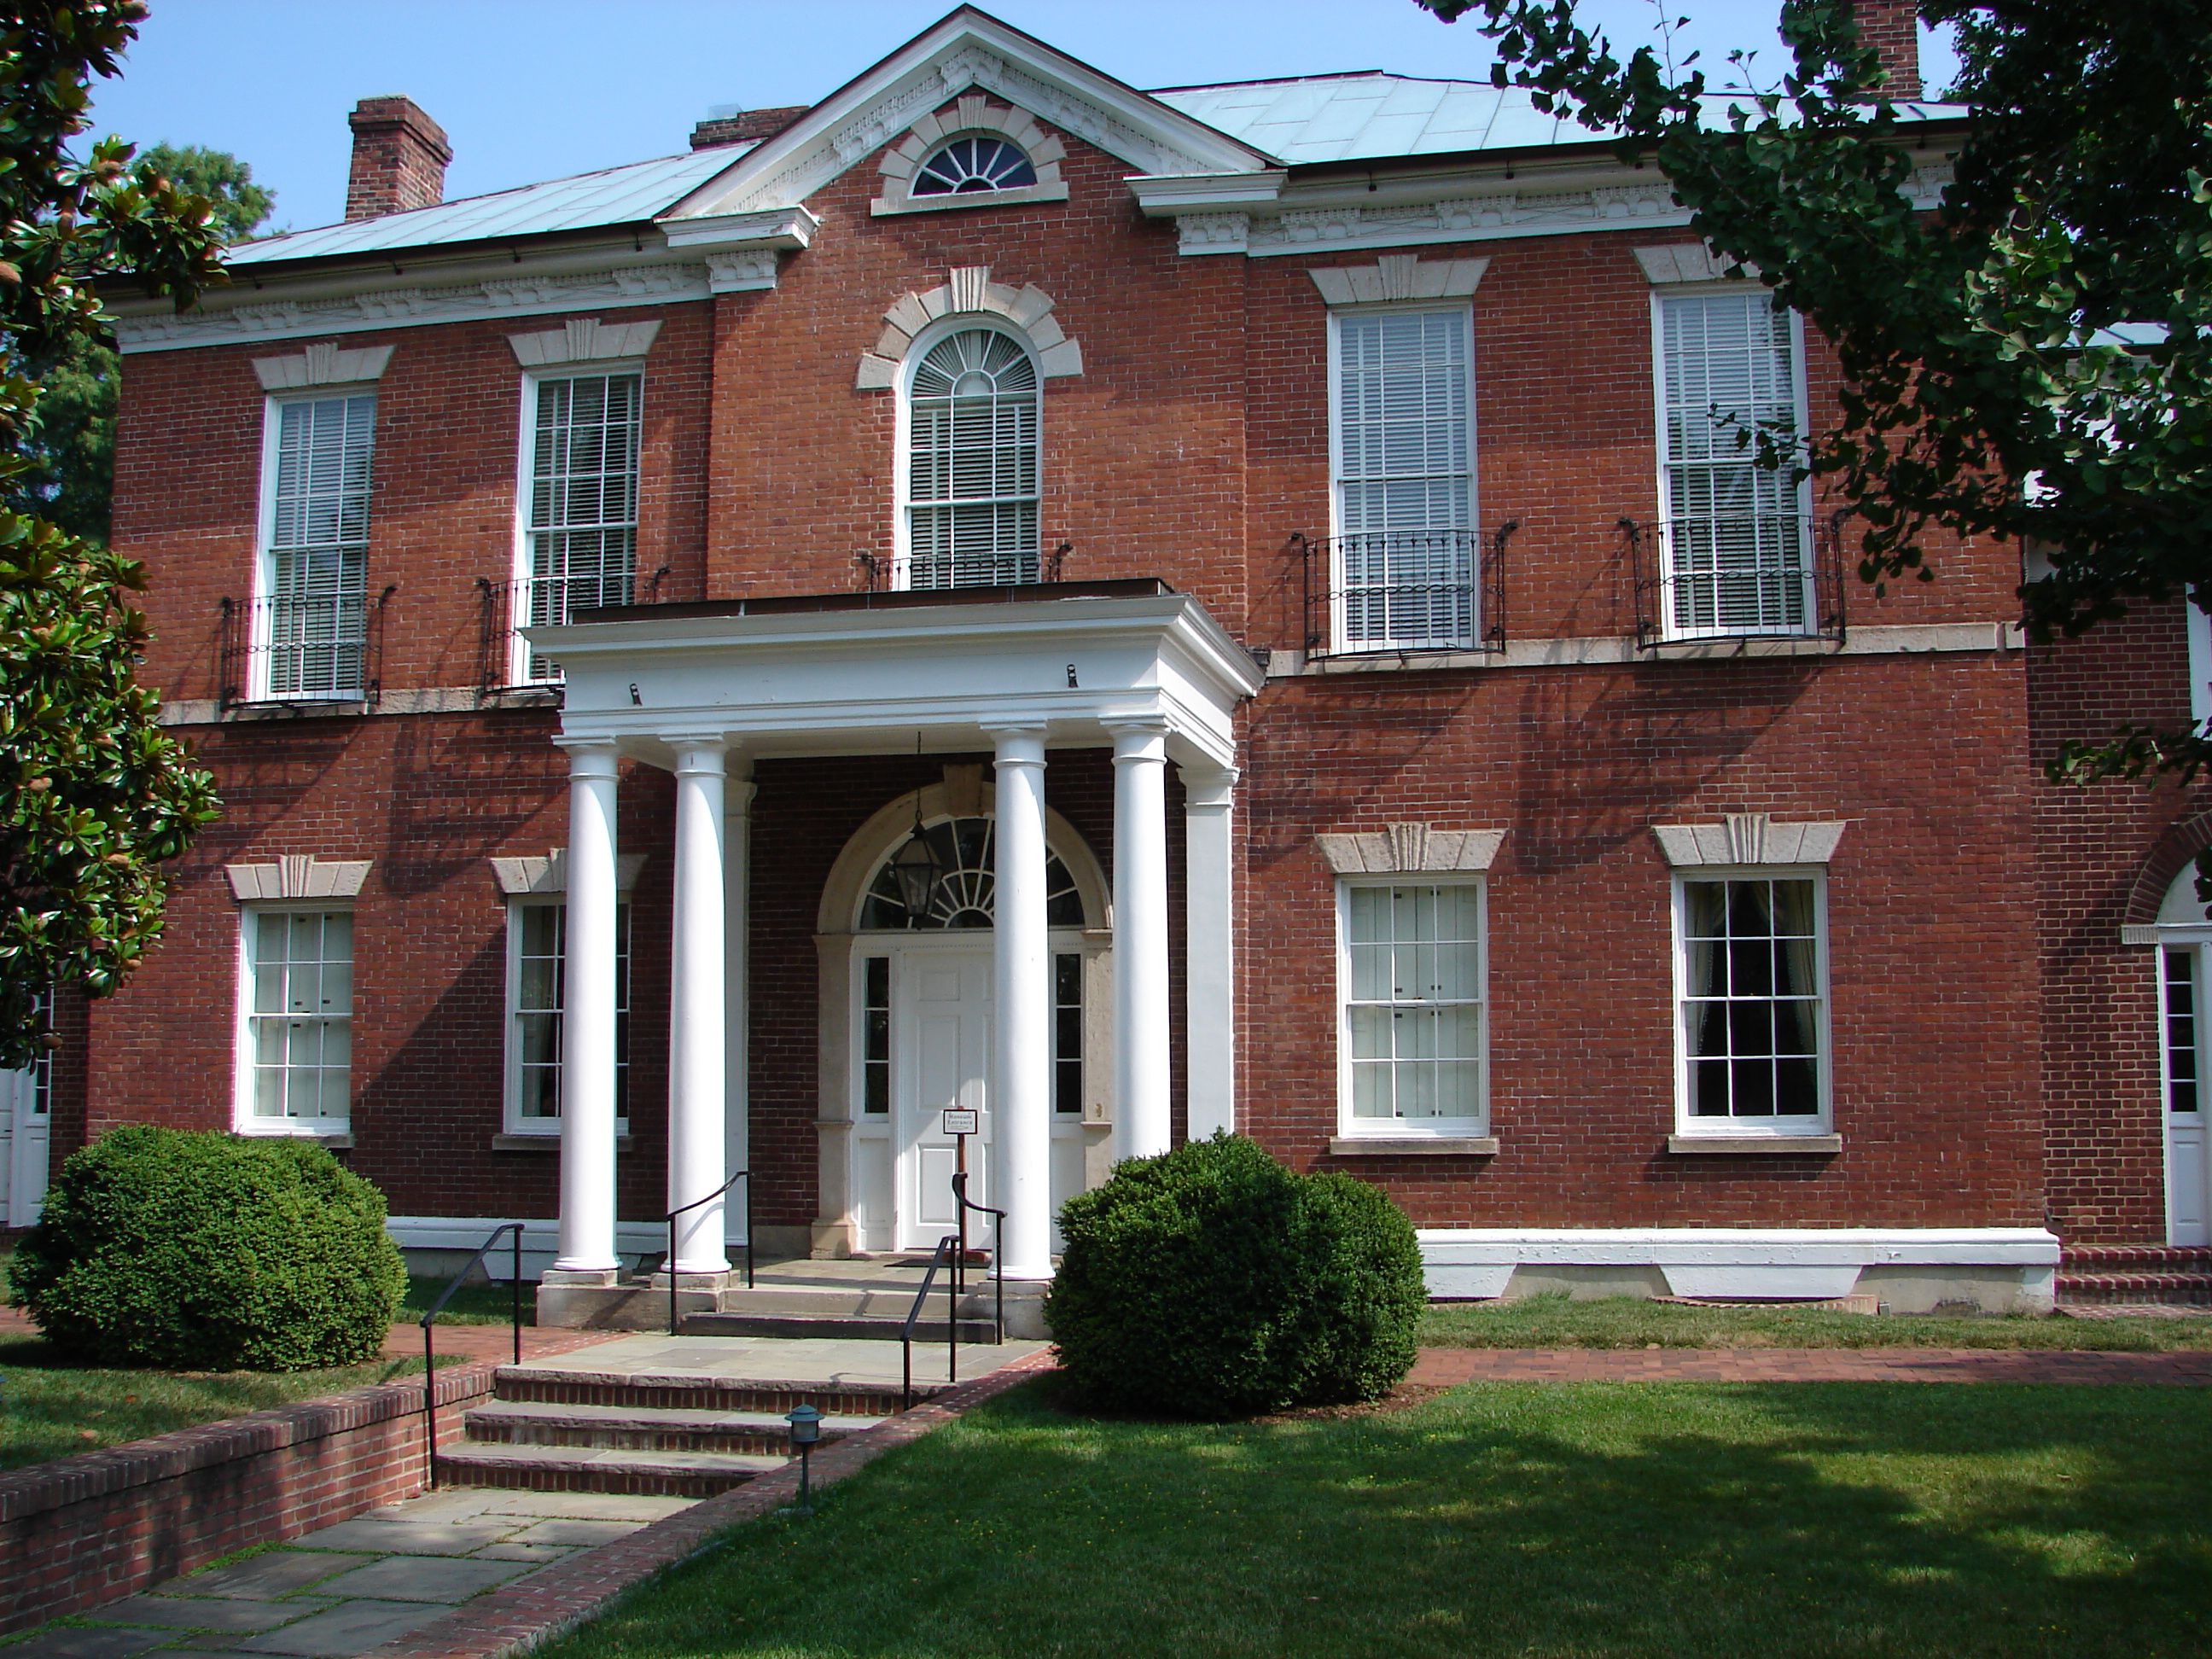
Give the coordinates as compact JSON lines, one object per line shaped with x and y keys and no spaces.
{"x":968,"y":49}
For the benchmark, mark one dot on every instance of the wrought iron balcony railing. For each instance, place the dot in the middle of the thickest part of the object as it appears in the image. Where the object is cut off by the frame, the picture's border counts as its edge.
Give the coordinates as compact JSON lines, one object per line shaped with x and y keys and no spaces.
{"x":303,"y":648}
{"x":882,"y":573}
{"x":1764,"y":576}
{"x":505,"y":662}
{"x":1387,"y":590}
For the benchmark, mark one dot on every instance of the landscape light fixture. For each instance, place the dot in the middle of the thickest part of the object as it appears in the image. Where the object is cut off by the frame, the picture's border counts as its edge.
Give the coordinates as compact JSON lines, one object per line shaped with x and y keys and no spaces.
{"x":806,"y":1430}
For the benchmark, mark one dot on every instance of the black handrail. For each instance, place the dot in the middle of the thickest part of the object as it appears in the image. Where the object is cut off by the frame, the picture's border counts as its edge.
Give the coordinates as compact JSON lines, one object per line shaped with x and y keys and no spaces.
{"x":430,"y":1371}
{"x":684,"y":1209}
{"x":998,"y":1254}
{"x":947,"y":1247}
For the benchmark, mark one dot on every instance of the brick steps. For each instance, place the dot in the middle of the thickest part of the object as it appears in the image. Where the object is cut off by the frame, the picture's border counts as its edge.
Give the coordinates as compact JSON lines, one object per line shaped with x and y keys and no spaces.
{"x":601,"y":1469}
{"x":2104,"y":1275}
{"x":580,"y":1386}
{"x":642,"y":1428}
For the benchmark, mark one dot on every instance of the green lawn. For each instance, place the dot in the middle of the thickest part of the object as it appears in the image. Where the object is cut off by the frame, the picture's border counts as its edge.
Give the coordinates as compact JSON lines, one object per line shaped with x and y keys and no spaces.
{"x":1599,"y":1519}
{"x":475,"y":1304}
{"x":1553,"y":1322}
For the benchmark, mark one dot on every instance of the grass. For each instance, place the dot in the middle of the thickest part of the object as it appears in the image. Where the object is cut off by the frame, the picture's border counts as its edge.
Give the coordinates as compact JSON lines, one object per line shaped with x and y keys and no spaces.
{"x":1554,"y":1321}
{"x":1588,"y":1520}
{"x":478,"y":1303}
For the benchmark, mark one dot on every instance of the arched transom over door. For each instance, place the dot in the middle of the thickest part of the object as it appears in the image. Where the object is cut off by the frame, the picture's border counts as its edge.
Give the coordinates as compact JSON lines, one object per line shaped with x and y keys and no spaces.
{"x":918,"y":1004}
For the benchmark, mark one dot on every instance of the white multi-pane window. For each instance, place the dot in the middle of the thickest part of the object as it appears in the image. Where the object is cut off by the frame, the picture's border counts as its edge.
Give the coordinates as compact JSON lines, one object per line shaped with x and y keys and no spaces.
{"x":1412,"y":1036}
{"x":1403,"y":444}
{"x":537,"y":973}
{"x":972,"y":488}
{"x":295,"y":1062}
{"x":311,"y":622}
{"x":1754,"y":1033}
{"x":579,"y":522}
{"x":1736,"y":536}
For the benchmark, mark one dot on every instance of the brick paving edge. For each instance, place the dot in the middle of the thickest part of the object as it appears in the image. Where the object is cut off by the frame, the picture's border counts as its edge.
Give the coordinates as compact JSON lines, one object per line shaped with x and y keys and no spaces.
{"x":555,"y":1600}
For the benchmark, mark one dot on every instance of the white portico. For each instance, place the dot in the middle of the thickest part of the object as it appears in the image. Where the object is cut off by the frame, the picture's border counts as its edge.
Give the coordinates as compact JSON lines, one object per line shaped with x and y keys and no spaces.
{"x":703,"y":691}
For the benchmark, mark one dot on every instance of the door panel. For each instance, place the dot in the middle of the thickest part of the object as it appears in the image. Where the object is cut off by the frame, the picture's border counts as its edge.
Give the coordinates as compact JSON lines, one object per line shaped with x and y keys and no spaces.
{"x":941,"y":1058}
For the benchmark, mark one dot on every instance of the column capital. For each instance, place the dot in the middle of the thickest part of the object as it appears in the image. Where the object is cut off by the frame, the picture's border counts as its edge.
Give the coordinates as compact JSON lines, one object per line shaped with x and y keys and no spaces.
{"x":1144,"y":737}
{"x":1209,"y":791}
{"x":737,"y":798}
{"x":1021,"y":744}
{"x":699,"y":751}
{"x":590,"y":757}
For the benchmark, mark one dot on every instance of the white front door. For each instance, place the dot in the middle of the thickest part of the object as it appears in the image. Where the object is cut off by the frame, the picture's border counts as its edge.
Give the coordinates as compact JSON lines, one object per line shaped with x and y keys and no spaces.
{"x":2185,"y":1048}
{"x":941,"y":1047}
{"x":24,"y":1122}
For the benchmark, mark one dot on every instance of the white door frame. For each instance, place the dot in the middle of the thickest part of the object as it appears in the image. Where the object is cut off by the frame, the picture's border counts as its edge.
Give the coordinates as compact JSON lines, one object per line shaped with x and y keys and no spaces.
{"x":2188,"y":1147}
{"x":25,"y":1136}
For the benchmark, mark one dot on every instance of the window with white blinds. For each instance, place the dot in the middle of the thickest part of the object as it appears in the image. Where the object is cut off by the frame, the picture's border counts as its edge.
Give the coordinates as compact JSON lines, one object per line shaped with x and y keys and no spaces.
{"x":1738,"y":535}
{"x":1412,"y":1008}
{"x":536,"y":972}
{"x":299,"y":1021}
{"x":313,"y":623}
{"x":972,"y":487}
{"x":581,"y":524}
{"x":1404,"y":448}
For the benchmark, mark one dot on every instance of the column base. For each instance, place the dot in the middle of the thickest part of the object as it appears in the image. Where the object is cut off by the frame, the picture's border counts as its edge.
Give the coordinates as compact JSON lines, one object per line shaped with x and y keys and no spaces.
{"x":1025,"y":1319}
{"x":601,"y":1300}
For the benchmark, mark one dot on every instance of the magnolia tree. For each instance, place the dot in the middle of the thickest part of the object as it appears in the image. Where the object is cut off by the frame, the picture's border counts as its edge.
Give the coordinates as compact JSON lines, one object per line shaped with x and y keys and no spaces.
{"x":2031,"y":360}
{"x":94,"y":796}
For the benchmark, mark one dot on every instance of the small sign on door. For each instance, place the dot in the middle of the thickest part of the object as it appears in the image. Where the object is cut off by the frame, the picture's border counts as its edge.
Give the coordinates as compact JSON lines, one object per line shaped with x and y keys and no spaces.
{"x":960,"y":1120}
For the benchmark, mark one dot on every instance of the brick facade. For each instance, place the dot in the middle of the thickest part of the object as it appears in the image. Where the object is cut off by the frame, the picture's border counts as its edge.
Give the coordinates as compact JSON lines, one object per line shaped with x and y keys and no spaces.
{"x":1977,"y":1005}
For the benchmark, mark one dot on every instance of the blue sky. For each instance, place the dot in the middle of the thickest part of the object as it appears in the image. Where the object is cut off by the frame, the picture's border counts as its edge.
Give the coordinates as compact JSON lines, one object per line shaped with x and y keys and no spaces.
{"x":531,"y":89}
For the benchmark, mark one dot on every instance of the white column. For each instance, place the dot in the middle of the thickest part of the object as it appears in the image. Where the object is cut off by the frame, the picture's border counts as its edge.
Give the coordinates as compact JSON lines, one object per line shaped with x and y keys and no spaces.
{"x":696,"y":1105}
{"x":1141,"y":939}
{"x":737,"y":1048}
{"x":1209,"y":951}
{"x":587,"y":1026}
{"x":1021,"y":1081}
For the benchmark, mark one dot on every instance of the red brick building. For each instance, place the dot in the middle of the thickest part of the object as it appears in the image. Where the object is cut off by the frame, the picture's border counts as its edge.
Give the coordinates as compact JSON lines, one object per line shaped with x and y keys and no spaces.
{"x":1134,"y":614}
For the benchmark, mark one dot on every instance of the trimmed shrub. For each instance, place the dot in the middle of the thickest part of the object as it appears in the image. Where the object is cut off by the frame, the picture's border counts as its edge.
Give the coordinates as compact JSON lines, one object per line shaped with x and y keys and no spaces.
{"x":194,"y":1251}
{"x":1212,"y":1282}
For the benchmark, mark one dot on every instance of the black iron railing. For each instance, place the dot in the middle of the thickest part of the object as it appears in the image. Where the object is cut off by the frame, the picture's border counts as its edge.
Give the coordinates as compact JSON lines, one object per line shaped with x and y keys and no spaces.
{"x":998,"y":1256}
{"x":947,"y":1250}
{"x":880,"y":572}
{"x":1404,"y":591}
{"x":303,"y":649}
{"x":429,"y":1358}
{"x":505,"y":662}
{"x":745,"y":1176}
{"x":1762,"y":576}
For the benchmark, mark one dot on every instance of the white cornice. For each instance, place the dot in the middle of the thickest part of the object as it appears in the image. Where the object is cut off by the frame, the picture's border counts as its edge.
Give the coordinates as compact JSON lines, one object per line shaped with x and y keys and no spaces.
{"x":968,"y":49}
{"x":777,"y":228}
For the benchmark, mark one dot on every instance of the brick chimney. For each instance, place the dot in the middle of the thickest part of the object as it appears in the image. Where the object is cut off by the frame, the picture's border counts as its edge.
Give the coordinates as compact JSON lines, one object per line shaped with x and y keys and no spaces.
{"x":1890,"y":27}
{"x":400,"y":157}
{"x":738,"y":126}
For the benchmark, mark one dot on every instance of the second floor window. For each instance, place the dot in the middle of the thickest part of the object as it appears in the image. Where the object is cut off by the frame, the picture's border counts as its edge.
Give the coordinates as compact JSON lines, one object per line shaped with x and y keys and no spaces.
{"x":972,"y":488}
{"x":1404,"y":451}
{"x":311,"y":625}
{"x":580,"y":522}
{"x":1737,"y":535}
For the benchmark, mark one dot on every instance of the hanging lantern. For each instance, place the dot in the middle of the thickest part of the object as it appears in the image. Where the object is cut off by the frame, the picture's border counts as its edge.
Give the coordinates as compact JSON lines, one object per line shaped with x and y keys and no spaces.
{"x":917,"y":871}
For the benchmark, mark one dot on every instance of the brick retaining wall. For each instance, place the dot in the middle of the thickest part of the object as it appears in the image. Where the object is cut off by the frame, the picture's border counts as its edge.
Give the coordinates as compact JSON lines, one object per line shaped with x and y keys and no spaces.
{"x":81,"y":1531}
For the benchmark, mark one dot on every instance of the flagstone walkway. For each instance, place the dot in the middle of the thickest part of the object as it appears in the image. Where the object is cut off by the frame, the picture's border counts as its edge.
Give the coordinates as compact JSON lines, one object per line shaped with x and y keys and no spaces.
{"x":357,"y":1585}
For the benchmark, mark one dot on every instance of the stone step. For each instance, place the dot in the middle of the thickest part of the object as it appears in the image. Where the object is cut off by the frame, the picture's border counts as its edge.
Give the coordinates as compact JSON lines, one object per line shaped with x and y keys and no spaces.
{"x":2192,"y":1290}
{"x":576,"y":1385}
{"x":642,"y":1428}
{"x":602,"y":1470}
{"x":841,"y":1327}
{"x":859,"y":1302}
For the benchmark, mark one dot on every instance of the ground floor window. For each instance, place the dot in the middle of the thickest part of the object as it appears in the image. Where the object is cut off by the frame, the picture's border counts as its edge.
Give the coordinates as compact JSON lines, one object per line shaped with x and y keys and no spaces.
{"x":537,"y":974}
{"x":297,"y":1038}
{"x":1753,"y":1017}
{"x":1412,"y":972}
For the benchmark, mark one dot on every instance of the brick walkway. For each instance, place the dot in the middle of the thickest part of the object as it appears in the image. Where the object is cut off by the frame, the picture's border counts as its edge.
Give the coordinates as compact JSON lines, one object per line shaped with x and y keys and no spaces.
{"x":1444,"y":1367}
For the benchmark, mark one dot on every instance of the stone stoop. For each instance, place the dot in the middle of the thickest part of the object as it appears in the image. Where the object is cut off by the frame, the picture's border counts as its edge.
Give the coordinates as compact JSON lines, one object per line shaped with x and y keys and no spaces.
{"x":2104,"y":1275}
{"x":866,"y":1312}
{"x":560,"y":1430}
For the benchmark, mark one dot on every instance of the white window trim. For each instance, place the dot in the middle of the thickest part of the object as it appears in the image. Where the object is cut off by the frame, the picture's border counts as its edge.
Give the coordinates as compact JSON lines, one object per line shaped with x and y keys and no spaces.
{"x":244,"y":1119}
{"x":1688,"y":1127}
{"x":2199,"y":664}
{"x":1661,"y":293}
{"x":258,"y":655}
{"x":1351,"y":1128}
{"x":973,"y":117}
{"x":526,"y":456}
{"x":943,"y":328}
{"x":511,"y":1117}
{"x":1340,"y":640}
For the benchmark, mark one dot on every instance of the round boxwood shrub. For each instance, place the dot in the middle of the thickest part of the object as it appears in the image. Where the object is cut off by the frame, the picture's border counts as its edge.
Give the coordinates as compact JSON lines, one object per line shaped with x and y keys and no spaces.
{"x":1212,"y":1282}
{"x":193,"y":1251}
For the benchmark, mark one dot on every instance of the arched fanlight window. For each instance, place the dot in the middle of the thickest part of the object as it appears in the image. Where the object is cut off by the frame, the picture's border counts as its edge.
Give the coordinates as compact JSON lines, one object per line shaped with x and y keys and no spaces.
{"x":974,"y":166}
{"x":972,"y":477}
{"x":967,"y":888}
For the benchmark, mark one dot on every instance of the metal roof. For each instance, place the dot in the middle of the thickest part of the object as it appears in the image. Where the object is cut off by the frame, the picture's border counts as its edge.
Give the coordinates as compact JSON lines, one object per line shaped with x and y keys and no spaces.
{"x":613,"y":195}
{"x":1372,"y":116}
